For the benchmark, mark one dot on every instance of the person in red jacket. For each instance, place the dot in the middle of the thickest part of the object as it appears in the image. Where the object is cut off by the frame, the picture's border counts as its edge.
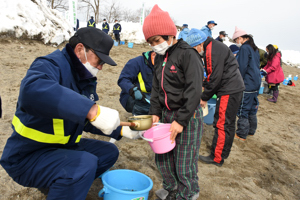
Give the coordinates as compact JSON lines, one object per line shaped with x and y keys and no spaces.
{"x":273,"y":72}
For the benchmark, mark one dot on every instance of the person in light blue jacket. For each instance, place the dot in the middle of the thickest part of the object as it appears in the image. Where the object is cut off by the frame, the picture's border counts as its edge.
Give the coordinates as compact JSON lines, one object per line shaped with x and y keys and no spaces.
{"x":208,"y":28}
{"x":185,"y":31}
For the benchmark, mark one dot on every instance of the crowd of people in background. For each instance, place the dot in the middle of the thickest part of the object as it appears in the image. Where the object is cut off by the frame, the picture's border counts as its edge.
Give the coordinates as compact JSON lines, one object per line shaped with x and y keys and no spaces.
{"x":117,"y":28}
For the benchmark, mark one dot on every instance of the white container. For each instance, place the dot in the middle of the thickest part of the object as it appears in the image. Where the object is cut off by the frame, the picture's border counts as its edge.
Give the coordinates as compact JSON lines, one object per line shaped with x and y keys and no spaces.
{"x":205,"y":110}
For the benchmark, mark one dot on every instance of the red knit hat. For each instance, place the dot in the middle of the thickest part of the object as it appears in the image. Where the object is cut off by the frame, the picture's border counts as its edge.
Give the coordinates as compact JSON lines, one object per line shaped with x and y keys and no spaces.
{"x":158,"y":22}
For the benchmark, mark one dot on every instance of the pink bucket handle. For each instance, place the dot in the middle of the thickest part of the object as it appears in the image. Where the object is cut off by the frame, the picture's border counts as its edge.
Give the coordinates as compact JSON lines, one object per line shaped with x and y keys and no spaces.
{"x":158,"y":123}
{"x":141,"y":133}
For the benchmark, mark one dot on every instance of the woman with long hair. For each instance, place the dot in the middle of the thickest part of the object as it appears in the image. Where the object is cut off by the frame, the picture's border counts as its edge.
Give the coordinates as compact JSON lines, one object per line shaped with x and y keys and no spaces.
{"x":249,"y":62}
{"x":273,"y":71}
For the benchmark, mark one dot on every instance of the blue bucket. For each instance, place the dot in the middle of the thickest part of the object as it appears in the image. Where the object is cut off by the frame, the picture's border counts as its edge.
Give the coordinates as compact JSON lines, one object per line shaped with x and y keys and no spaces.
{"x":261,"y":90}
{"x":126,"y":185}
{"x":116,"y":43}
{"x":209,"y":118}
{"x":122,"y":42}
{"x":130,"y":44}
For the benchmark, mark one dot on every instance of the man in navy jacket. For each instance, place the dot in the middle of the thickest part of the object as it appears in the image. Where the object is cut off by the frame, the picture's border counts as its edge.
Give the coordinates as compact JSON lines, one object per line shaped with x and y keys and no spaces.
{"x":56,"y":104}
{"x":105,"y":26}
{"x":136,"y":83}
{"x":91,"y":23}
{"x":117,"y":30}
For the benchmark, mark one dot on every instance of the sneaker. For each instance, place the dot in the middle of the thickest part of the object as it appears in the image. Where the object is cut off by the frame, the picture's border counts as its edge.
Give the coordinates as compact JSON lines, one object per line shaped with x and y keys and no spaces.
{"x":209,"y":160}
{"x":237,"y":137}
{"x":163,"y":194}
{"x":172,"y":195}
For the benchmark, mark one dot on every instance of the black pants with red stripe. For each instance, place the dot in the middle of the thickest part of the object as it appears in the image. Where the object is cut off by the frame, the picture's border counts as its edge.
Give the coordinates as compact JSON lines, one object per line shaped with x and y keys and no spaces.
{"x":224,"y":123}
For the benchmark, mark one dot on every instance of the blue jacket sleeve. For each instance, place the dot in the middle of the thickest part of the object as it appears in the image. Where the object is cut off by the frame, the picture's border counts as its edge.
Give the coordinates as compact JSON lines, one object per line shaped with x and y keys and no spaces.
{"x":243,"y":59}
{"x":206,"y":31}
{"x":42,"y":95}
{"x":180,"y":35}
{"x":129,"y":74}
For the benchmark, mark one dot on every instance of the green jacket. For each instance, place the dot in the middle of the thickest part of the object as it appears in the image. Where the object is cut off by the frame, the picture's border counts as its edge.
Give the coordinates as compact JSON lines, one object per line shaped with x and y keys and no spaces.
{"x":262,"y":58}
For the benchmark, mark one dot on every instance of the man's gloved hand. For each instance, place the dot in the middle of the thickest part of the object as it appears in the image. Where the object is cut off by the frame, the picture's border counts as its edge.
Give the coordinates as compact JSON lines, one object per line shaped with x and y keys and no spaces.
{"x":136,"y":93}
{"x":128,"y":133}
{"x":106,"y":120}
{"x":263,"y":72}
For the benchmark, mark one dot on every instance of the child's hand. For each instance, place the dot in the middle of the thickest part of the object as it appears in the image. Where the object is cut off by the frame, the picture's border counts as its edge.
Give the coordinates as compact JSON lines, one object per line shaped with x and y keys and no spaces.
{"x":175,"y":129}
{"x":203,"y":103}
{"x":155,"y":119}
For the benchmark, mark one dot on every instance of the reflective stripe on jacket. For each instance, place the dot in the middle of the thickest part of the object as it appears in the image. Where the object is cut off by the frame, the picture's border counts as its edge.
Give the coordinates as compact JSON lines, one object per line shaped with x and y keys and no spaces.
{"x":117,"y":28}
{"x":137,"y":72}
{"x":91,"y":23}
{"x":55,"y":96}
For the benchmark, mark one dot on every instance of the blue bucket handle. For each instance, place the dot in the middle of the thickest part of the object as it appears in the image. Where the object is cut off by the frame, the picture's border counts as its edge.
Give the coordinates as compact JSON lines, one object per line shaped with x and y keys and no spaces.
{"x":209,"y":106}
{"x":103,"y":191}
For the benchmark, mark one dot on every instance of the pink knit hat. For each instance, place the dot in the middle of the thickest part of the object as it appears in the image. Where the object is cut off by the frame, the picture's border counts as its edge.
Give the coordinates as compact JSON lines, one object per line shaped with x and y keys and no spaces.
{"x":238,"y":33}
{"x":158,"y":22}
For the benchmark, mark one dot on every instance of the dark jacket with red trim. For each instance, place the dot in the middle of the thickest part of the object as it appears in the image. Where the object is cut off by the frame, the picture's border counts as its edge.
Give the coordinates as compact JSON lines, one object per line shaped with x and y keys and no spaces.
{"x":177,"y":85}
{"x":223,"y":75}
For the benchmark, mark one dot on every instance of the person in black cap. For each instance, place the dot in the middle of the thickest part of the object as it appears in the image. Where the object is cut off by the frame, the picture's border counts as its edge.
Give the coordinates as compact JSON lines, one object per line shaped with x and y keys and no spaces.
{"x":221,"y":37}
{"x":91,"y":22}
{"x":57,"y":102}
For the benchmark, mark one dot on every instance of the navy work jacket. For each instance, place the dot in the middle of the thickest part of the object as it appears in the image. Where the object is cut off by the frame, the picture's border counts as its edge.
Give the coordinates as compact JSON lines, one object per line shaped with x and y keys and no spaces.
{"x":55,"y":97}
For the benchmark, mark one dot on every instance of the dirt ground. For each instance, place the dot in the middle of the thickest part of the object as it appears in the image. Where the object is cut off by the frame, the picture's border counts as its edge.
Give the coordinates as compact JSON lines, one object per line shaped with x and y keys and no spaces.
{"x":265,"y":166}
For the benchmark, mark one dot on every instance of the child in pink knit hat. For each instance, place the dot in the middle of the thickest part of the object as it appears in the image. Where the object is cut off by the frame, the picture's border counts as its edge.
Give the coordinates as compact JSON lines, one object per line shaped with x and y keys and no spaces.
{"x":175,"y":98}
{"x":249,"y":62}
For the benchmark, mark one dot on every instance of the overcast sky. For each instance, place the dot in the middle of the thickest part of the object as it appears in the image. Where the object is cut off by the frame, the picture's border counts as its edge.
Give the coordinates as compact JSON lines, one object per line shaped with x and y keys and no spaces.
{"x":269,"y":21}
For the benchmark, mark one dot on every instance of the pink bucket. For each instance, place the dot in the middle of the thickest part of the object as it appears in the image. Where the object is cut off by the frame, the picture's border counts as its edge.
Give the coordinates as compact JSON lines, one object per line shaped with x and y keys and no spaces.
{"x":159,"y":138}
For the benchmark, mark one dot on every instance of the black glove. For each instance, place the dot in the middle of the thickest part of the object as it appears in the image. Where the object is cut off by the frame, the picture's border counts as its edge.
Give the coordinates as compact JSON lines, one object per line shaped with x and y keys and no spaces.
{"x":263,"y":72}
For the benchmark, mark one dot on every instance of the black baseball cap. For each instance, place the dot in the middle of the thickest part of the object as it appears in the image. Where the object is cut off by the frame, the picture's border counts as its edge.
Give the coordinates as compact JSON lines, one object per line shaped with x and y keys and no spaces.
{"x":223,"y":33}
{"x":97,"y":40}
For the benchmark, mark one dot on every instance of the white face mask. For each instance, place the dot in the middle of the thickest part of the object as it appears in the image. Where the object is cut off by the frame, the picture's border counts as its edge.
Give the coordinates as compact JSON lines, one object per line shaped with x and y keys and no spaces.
{"x":238,"y":44}
{"x":201,"y":52}
{"x":89,"y":67}
{"x":212,"y":28}
{"x":162,"y":48}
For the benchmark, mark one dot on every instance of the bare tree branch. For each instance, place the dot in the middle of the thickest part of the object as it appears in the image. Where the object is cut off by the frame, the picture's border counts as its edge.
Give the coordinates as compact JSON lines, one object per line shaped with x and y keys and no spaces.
{"x":94,"y":5}
{"x":58,"y":4}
